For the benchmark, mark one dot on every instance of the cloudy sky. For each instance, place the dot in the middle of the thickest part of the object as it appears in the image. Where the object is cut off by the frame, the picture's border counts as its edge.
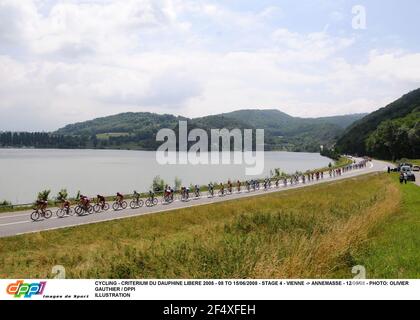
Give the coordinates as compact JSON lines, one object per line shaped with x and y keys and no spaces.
{"x":63,"y":61}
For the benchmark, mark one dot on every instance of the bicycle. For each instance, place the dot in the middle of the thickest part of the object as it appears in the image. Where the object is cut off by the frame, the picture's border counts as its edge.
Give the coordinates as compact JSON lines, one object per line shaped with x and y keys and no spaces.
{"x":185,"y":196}
{"x":119,"y":205}
{"x":210,"y":193}
{"x":64,"y":211}
{"x":82,"y":209}
{"x":151,"y":202}
{"x":136,"y":203}
{"x":168,"y":198}
{"x":101,"y":207}
{"x":38,"y":213}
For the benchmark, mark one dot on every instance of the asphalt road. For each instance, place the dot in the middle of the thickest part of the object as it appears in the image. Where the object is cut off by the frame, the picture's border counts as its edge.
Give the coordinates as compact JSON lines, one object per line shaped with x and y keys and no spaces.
{"x":17,"y":223}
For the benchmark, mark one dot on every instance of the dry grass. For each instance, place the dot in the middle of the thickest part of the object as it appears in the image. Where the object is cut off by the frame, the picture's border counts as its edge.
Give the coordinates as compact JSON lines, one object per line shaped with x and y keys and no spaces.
{"x":322,"y":254}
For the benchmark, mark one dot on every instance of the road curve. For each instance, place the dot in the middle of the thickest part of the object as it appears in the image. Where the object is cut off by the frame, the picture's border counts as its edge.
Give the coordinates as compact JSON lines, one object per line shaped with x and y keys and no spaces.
{"x":17,"y":223}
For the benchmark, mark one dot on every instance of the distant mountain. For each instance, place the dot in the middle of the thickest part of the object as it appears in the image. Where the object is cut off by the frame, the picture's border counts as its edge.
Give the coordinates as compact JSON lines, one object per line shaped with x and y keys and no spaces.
{"x":275,"y":119}
{"x":392,"y":132}
{"x":282,"y":131}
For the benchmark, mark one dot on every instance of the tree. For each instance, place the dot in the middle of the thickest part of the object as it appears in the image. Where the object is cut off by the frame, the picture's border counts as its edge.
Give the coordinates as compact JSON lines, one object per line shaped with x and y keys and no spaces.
{"x":158,"y":184}
{"x":43,"y":195}
{"x":62,"y":195}
{"x":178,"y":183}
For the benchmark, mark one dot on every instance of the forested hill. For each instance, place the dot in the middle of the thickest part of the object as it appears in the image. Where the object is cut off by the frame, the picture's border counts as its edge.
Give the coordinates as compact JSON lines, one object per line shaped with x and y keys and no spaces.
{"x":282,"y":131}
{"x":392,"y":132}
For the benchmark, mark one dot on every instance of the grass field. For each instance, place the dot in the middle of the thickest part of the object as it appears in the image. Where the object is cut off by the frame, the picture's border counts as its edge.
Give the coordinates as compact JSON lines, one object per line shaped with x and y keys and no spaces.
{"x":395,"y":247}
{"x":316,"y":232}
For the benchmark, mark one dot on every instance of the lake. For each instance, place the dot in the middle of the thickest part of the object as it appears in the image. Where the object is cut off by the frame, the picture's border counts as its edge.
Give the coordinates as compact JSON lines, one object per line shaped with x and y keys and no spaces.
{"x":25,"y":172}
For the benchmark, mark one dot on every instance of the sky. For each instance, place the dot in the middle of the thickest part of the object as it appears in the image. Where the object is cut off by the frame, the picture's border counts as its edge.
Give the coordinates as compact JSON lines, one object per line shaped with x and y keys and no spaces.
{"x":66,"y":61}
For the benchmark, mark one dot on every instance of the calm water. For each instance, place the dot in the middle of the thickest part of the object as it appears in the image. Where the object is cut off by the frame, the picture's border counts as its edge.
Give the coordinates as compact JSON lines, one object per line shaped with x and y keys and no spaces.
{"x":24,"y":172}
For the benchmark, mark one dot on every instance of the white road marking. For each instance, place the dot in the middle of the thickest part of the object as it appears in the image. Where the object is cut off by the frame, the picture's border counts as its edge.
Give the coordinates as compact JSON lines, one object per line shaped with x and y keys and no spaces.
{"x":12,"y":216}
{"x":12,"y":223}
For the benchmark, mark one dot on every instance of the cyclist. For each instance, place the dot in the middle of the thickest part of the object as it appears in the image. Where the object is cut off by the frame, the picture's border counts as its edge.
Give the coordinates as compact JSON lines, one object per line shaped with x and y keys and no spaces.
{"x":167,"y":193}
{"x":136,"y":195}
{"x":120,"y":197}
{"x":211,"y":188}
{"x":172,"y":191}
{"x":101,"y":200}
{"x":66,"y":204}
{"x":248,"y":185}
{"x":41,"y":205}
{"x":197,"y":191}
{"x":222,"y":189}
{"x":239,"y":186}
{"x":151,"y":195}
{"x":266,"y":184}
{"x":84,"y":200}
{"x":230,"y":186}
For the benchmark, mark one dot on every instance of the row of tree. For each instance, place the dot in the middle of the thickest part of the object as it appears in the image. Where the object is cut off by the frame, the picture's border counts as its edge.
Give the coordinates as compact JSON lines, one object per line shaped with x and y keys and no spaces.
{"x":393,"y":140}
{"x":42,"y":140}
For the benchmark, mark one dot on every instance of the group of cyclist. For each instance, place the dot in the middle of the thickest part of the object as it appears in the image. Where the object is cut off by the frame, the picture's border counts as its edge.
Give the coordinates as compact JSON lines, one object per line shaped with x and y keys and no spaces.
{"x":85,"y":203}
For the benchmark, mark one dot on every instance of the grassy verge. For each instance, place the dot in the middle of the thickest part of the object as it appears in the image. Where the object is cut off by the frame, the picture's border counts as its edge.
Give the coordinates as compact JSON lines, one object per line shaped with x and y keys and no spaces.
{"x":412,"y":161}
{"x":394,"y":251}
{"x":314,"y":232}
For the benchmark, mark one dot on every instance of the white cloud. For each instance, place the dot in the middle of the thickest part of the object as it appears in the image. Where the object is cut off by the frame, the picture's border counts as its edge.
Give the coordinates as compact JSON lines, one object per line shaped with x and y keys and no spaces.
{"x":314,"y":46}
{"x":71,"y":61}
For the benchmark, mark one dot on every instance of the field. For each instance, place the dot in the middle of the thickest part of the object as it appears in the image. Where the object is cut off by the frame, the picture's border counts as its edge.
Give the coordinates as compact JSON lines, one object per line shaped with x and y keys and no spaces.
{"x":416,"y":162}
{"x":316,"y":232}
{"x":395,"y":249}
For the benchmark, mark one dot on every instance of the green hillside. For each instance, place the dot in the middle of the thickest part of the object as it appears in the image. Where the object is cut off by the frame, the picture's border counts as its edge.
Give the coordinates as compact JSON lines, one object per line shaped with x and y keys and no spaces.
{"x":390,"y":133}
{"x":282,"y":132}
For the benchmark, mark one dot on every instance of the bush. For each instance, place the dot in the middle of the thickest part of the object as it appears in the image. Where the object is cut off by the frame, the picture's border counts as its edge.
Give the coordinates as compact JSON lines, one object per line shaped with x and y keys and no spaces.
{"x":62,"y":195}
{"x":330,"y":153}
{"x":43,"y":195}
{"x":178,"y":183}
{"x":158,"y":184}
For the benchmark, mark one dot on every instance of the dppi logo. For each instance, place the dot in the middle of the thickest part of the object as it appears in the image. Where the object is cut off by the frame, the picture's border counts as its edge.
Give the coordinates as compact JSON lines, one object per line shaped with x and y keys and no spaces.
{"x":27,"y":290}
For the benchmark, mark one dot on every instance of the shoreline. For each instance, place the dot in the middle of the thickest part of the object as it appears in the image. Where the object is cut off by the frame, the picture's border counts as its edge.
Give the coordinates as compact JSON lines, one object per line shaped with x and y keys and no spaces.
{"x":204,"y":188}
